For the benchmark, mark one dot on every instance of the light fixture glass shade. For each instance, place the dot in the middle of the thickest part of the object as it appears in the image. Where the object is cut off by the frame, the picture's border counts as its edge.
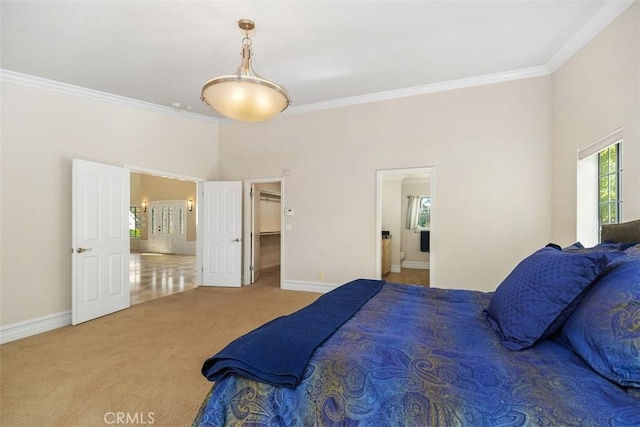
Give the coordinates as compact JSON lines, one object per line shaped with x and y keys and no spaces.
{"x":245,"y":98}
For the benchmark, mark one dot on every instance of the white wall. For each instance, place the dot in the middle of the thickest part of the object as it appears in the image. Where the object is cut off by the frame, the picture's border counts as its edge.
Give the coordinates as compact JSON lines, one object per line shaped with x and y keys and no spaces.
{"x":595,"y":92}
{"x":489,"y":145}
{"x":42,"y":131}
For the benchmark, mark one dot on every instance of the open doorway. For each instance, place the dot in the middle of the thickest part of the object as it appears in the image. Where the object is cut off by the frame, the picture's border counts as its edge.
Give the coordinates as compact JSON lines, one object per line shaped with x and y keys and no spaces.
{"x":163,"y":237}
{"x":404,"y":225}
{"x":263,"y":219}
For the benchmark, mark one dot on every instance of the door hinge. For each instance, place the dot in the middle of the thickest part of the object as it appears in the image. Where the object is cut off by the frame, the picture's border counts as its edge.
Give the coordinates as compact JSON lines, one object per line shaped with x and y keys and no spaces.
{"x":251,"y":268}
{"x":251,"y":193}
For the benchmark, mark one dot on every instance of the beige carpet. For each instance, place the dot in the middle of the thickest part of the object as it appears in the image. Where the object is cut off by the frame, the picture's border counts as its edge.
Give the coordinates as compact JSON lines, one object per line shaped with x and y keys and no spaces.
{"x":143,"y":362}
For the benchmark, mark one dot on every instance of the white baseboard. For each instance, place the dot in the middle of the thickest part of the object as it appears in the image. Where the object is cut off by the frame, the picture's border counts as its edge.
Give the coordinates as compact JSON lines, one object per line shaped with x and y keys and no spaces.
{"x":395,"y":268}
{"x":27,"y":328}
{"x":296,"y":285}
{"x":415,"y":264}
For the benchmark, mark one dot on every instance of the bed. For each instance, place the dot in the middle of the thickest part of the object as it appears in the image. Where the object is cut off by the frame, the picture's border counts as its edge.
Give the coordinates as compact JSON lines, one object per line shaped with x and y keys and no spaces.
{"x":557,"y":344}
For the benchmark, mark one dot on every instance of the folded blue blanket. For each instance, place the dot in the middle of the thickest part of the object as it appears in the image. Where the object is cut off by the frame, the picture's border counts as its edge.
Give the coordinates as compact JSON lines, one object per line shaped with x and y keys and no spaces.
{"x":277,"y":353}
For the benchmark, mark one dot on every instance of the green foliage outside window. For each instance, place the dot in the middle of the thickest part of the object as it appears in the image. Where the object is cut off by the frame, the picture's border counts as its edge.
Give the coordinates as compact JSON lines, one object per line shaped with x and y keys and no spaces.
{"x":424,"y":212}
{"x":608,"y":185}
{"x":134,"y":221}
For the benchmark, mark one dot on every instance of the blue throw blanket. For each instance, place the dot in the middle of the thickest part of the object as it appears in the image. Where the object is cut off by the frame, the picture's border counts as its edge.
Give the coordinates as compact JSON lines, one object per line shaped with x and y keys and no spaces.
{"x":278,"y":352}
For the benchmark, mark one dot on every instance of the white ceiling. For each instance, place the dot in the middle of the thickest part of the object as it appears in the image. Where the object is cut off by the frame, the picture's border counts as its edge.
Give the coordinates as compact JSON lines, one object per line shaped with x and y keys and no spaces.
{"x":322,"y":51}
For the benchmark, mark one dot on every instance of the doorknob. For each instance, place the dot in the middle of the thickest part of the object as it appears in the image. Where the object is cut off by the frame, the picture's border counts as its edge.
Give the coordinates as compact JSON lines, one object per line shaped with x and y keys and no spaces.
{"x":80,"y":250}
{"x":237,"y":239}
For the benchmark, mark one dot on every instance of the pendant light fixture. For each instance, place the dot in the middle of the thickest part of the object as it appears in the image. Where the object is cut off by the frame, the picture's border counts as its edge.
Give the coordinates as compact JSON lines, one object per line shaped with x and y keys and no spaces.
{"x":245,"y":96}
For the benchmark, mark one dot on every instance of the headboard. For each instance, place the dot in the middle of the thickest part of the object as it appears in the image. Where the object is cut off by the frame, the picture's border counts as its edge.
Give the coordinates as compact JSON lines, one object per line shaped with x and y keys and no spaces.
{"x":623,"y":232}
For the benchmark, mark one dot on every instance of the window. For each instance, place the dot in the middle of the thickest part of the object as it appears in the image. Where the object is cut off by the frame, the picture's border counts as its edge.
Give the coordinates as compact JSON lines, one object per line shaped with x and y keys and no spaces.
{"x":424,"y":212}
{"x":609,"y":185}
{"x":599,"y":186}
{"x":181,"y":220}
{"x":134,"y":221}
{"x":154,"y":220}
{"x":419,"y":212}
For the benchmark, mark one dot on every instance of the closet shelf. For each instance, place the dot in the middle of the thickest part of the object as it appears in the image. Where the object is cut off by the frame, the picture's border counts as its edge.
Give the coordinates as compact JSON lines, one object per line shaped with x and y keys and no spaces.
{"x":269,"y":233}
{"x":270,"y":196}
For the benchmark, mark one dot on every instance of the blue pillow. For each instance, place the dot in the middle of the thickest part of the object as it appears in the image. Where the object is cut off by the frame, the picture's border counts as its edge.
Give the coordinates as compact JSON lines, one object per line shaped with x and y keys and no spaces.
{"x":575,"y":246}
{"x":540,"y":293}
{"x":605,"y":328}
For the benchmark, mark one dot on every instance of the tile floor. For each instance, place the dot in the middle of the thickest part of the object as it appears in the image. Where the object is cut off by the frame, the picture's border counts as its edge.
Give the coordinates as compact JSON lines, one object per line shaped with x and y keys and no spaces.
{"x":157,"y":275}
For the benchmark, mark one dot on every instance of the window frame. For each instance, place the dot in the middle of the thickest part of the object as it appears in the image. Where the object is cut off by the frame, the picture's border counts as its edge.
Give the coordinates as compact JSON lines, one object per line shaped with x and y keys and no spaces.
{"x":417,"y":226}
{"x":617,"y":175}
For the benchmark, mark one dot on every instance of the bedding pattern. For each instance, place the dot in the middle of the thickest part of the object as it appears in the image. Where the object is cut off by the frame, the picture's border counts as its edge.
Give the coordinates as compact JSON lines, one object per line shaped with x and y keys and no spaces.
{"x":417,"y":356}
{"x":605,"y":329}
{"x":258,"y":354}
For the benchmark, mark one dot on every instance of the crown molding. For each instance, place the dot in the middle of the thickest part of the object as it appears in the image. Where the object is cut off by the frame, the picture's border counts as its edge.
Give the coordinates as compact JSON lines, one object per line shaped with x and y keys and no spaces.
{"x":607,"y":13}
{"x":421,"y":90}
{"x":7,"y":76}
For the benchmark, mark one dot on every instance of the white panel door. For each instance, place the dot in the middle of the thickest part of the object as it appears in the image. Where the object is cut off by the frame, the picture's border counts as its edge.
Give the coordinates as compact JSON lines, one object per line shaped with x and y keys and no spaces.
{"x":222,"y":235}
{"x":100,"y":239}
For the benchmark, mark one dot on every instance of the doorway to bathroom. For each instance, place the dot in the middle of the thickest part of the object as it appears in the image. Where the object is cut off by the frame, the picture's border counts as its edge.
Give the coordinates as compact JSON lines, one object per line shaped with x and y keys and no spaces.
{"x":405,"y":225}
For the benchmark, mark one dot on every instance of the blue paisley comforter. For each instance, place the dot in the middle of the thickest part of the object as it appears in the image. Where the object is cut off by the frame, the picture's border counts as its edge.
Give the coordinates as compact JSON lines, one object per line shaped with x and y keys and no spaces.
{"x":415,"y":356}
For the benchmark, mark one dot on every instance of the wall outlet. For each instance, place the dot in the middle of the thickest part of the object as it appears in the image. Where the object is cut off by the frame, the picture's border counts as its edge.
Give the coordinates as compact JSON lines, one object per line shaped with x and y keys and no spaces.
{"x":321,"y":276}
